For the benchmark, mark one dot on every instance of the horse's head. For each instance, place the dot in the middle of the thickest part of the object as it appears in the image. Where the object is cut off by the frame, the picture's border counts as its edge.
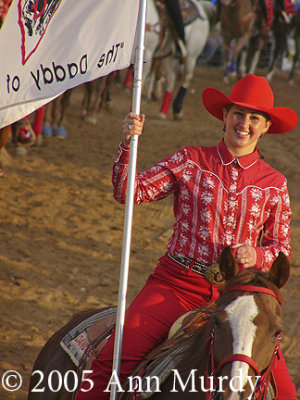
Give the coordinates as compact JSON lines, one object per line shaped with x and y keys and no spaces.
{"x":247,"y":325}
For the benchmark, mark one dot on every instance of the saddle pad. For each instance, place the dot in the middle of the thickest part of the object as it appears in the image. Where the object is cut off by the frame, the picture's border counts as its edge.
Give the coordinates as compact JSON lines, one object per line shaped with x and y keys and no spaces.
{"x":76,"y":343}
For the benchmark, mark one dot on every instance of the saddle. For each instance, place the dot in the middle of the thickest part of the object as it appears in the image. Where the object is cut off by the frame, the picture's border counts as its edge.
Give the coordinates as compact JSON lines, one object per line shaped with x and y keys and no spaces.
{"x":190,"y":12}
{"x":161,"y":361}
{"x":84,"y":342}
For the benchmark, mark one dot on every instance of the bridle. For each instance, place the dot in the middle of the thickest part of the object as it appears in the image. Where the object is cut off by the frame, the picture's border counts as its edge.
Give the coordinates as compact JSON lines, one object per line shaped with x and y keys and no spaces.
{"x":264,"y":379}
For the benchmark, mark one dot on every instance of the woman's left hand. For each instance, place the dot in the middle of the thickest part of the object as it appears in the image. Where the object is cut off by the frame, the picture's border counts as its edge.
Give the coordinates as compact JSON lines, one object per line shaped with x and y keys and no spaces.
{"x":132,"y":125}
{"x":245,"y":254}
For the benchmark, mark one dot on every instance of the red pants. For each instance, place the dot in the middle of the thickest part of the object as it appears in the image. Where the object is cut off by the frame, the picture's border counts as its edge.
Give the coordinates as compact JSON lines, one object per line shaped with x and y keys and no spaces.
{"x":168,"y":293}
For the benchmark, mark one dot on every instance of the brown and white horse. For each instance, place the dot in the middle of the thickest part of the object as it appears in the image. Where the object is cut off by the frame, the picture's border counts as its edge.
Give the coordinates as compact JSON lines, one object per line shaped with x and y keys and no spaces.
{"x":232,"y":355}
{"x":225,"y":351}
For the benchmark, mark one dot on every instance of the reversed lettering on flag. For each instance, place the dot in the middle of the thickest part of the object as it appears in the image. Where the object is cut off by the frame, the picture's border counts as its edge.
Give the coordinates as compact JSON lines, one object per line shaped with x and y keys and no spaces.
{"x":50,"y":46}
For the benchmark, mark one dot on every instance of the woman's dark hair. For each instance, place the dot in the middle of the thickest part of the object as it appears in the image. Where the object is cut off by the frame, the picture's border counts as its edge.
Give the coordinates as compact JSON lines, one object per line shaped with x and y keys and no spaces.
{"x":228,"y":107}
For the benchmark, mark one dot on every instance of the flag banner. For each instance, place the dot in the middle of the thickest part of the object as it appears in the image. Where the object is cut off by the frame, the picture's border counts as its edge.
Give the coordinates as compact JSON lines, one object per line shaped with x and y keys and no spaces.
{"x":49,"y":46}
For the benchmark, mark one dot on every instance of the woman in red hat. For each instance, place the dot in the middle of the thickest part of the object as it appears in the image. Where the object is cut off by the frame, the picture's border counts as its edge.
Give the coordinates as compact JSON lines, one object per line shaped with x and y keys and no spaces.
{"x":223,"y":196}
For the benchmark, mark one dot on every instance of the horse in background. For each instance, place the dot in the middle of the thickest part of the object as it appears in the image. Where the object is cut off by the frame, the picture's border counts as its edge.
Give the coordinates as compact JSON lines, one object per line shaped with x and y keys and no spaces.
{"x":154,"y":32}
{"x":281,"y":29}
{"x":96,"y":97}
{"x":202,"y":342}
{"x":155,"y":21}
{"x":237,"y":18}
{"x":197,"y":16}
{"x":160,"y":52}
{"x":260,"y":36}
{"x":295,"y":34}
{"x":246,"y":36}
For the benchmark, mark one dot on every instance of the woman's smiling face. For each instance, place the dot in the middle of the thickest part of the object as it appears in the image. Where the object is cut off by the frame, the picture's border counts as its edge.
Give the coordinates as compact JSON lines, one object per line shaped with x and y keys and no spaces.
{"x":243,"y":128}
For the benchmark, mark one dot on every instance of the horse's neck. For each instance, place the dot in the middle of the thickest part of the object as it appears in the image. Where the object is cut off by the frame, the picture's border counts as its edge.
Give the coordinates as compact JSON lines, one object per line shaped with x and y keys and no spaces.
{"x":199,"y":350}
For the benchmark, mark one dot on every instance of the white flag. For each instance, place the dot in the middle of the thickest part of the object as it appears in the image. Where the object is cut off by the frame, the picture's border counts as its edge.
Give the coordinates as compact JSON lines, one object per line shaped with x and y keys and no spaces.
{"x":49,"y":46}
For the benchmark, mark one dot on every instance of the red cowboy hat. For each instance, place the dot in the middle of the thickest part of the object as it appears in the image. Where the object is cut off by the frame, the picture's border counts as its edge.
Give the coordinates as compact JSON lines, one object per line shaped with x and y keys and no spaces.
{"x":251,"y":92}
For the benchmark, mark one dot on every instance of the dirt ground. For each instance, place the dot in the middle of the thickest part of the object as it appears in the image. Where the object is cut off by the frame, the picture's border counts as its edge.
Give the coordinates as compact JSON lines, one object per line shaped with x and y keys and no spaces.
{"x":61,"y":230}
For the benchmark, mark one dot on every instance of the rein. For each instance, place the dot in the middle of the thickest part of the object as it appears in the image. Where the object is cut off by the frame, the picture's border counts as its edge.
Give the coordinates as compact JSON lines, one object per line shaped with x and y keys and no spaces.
{"x":264,"y":379}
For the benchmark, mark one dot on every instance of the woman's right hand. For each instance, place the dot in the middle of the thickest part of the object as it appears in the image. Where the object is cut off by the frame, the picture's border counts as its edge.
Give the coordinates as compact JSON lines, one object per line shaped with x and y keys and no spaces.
{"x":132,"y":125}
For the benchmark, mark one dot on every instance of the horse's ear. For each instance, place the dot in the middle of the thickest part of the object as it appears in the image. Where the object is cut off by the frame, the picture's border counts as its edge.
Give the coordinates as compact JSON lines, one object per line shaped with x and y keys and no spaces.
{"x":228,"y":265}
{"x":280,"y":270}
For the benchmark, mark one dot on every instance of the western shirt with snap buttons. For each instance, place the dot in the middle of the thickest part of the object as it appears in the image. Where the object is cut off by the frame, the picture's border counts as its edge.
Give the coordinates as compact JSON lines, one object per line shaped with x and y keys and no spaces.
{"x":219,"y":200}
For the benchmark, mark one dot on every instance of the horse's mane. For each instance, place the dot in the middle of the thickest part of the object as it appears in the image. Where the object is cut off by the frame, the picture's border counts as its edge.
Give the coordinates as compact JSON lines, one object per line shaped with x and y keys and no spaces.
{"x":251,"y":277}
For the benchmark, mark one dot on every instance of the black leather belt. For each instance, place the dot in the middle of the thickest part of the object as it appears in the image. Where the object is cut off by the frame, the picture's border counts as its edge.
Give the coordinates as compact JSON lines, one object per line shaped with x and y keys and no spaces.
{"x":188,"y":262}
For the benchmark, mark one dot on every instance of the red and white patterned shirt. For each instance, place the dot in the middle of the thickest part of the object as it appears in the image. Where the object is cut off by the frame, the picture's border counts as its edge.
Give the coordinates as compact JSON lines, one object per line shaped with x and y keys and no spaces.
{"x":219,"y":200}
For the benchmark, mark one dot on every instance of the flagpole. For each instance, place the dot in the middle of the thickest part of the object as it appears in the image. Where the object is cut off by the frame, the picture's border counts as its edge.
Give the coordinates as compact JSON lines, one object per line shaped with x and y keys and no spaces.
{"x":136,"y":104}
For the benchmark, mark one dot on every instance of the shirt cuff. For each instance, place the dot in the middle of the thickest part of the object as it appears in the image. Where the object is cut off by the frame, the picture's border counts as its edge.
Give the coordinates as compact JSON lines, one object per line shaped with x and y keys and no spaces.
{"x":259,"y":257}
{"x":123,"y":156}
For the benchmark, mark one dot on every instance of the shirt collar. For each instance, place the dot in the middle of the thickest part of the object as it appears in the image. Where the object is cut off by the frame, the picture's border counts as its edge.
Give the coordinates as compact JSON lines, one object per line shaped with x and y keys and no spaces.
{"x":244,"y":161}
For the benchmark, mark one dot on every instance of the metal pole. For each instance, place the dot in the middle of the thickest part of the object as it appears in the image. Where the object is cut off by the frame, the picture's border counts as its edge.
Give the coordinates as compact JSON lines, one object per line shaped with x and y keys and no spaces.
{"x":136,"y":102}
